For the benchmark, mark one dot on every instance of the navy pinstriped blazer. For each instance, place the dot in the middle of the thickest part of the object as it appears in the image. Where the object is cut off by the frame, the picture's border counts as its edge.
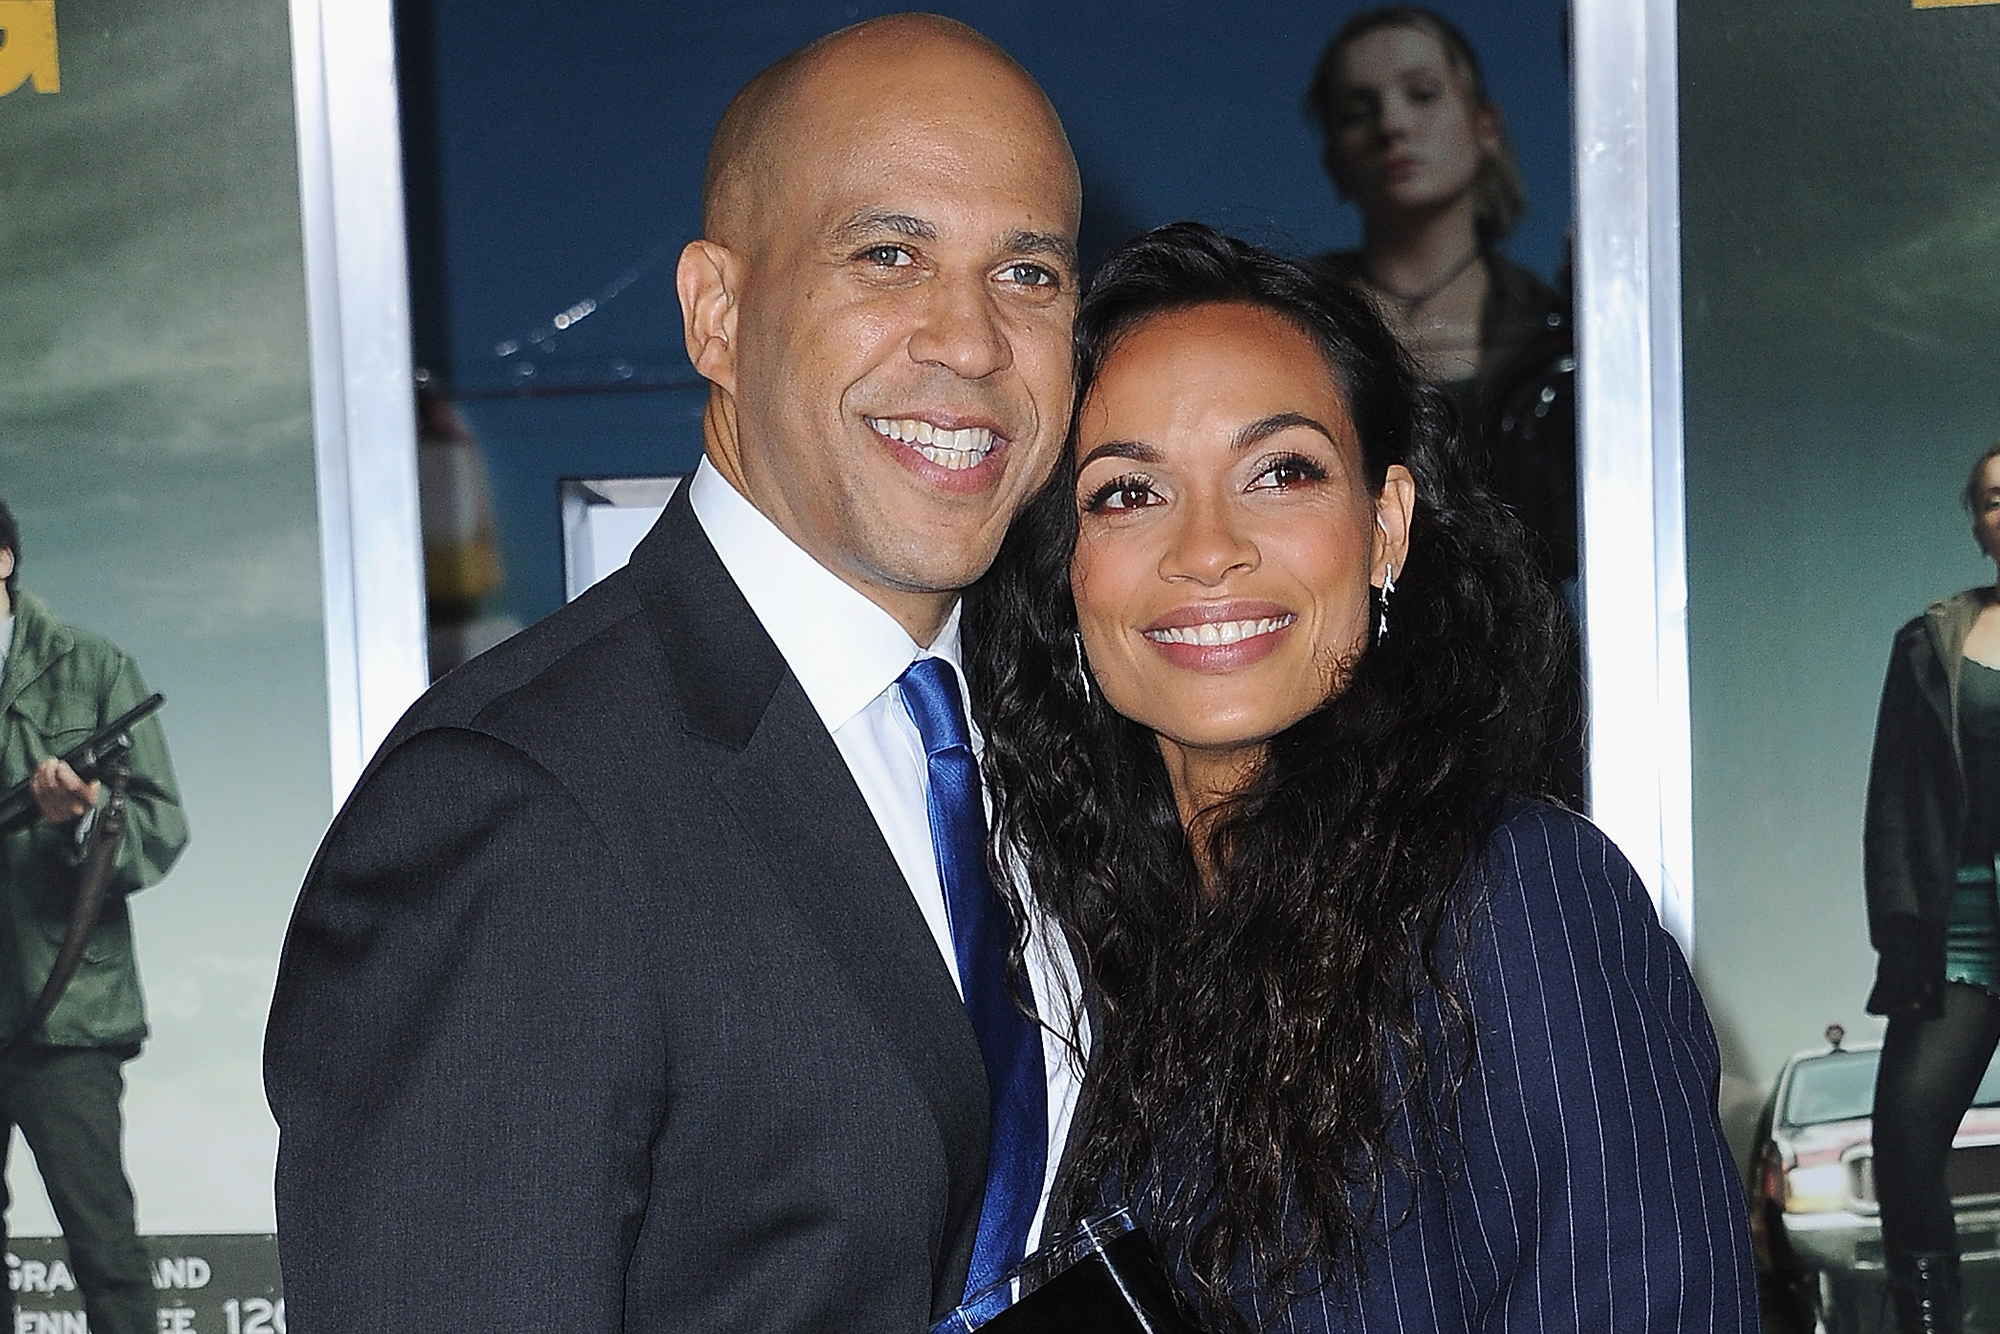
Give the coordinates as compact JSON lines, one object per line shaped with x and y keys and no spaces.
{"x":1588,"y":1190}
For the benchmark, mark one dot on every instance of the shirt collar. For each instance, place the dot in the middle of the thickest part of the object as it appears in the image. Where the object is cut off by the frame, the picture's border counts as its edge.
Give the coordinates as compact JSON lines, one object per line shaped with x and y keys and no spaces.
{"x":843,"y":649}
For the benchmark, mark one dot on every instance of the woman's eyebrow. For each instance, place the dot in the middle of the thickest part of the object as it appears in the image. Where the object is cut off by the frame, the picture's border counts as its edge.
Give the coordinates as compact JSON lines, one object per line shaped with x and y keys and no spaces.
{"x":1120,"y":449}
{"x":1264,"y":428}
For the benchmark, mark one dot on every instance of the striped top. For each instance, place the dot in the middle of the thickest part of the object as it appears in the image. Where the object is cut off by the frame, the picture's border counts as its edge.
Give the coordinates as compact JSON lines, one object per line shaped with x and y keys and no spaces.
{"x":1588,"y":1187}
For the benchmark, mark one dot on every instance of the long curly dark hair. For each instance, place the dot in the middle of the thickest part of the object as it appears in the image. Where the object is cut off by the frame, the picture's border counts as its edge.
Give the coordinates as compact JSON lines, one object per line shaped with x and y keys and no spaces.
{"x":1260,"y":1037}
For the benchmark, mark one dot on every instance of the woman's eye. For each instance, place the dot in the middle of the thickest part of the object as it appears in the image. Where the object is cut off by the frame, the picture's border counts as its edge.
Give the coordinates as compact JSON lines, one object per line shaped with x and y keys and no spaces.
{"x":1282,"y":473}
{"x":1120,"y":494}
{"x":1356,"y":113}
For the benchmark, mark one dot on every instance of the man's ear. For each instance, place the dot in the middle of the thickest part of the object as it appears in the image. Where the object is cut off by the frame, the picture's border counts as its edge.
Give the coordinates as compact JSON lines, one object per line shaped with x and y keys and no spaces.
{"x":709,"y":278}
{"x":6,"y":562}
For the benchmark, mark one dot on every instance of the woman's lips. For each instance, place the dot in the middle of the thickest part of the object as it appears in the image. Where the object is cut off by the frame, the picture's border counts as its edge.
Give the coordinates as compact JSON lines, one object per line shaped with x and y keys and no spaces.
{"x":1215,"y":634}
{"x":1219,"y":638}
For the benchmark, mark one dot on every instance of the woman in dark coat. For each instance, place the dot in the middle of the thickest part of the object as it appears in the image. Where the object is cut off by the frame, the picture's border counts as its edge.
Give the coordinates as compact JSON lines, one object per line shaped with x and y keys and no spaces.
{"x":1930,"y":845}
{"x":1412,"y":139}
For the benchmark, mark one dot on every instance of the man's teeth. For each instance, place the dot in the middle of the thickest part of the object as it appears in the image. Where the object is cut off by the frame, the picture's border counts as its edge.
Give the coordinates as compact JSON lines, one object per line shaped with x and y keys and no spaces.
{"x":956,"y":450}
{"x":1213,"y":633}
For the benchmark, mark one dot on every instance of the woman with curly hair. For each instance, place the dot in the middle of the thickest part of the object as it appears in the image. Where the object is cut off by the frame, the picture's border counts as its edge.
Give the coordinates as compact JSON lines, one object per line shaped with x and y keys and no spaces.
{"x":1380,"y":1043}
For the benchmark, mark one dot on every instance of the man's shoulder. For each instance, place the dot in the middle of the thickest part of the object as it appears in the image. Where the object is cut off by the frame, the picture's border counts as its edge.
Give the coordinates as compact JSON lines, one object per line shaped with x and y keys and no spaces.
{"x":43,"y":635}
{"x":595,"y":655}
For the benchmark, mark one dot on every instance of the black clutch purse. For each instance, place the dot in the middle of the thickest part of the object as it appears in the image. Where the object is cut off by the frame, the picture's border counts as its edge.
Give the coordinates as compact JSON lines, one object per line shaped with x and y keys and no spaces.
{"x":1103,"y":1278}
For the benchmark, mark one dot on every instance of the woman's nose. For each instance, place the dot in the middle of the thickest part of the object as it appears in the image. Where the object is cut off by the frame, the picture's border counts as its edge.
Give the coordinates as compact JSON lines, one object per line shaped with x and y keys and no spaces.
{"x":1208,"y":545}
{"x":1394,"y":117}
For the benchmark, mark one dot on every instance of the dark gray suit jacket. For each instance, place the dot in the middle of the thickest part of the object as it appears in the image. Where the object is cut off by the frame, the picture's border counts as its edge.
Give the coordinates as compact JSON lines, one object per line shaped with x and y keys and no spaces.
{"x":605,"y":1006}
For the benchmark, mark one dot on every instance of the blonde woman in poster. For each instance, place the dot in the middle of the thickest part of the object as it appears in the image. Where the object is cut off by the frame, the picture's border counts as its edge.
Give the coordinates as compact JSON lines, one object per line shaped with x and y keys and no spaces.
{"x":1931,"y":844}
{"x":1414,"y":142}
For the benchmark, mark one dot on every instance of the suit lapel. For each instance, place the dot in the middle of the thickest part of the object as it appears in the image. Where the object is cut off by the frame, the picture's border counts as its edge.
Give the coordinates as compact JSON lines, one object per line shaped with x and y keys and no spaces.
{"x":812,"y":828}
{"x":807,"y":823}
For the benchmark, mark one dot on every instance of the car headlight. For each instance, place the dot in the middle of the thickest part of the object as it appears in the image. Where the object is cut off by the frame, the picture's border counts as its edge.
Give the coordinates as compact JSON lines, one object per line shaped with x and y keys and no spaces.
{"x":1816,"y":1190}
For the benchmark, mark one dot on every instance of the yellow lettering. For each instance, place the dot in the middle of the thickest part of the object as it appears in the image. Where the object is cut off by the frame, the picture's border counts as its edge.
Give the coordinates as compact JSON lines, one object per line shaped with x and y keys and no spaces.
{"x":28,"y":45}
{"x":1948,"y":4}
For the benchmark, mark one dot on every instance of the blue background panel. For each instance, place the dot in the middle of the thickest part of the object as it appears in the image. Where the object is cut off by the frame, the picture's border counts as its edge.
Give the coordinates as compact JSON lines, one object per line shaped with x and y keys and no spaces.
{"x":555,"y":155}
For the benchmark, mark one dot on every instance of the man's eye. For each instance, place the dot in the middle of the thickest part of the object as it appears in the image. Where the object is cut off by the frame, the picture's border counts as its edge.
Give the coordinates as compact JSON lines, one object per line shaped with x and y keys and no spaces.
{"x":1029,"y":275}
{"x":888,"y":256}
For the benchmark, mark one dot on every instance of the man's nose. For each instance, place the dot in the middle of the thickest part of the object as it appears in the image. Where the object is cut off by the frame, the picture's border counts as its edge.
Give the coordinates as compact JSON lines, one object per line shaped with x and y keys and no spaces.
{"x":961,"y":330}
{"x":1208,"y":544}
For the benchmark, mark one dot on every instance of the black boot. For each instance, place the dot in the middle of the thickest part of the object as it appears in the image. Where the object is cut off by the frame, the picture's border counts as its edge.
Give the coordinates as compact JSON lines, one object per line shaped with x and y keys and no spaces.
{"x":1924,"y":1285}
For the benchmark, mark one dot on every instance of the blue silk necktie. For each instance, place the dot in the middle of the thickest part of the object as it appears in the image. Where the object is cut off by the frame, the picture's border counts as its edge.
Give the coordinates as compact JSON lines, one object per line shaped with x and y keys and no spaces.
{"x":1010,"y":1042}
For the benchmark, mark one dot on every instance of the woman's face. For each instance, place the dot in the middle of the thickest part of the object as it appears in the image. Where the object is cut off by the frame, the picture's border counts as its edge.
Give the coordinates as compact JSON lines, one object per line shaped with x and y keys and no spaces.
{"x":1227,"y":539}
{"x":1986,"y":508}
{"x":1407,"y":134}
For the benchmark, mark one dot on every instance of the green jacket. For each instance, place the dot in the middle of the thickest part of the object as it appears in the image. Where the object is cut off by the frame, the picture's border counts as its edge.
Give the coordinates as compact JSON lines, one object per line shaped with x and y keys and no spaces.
{"x":60,"y":684}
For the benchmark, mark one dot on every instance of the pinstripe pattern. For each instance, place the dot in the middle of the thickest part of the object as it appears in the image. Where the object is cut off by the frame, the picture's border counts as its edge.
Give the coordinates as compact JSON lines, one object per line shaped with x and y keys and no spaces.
{"x":1589,"y":1188}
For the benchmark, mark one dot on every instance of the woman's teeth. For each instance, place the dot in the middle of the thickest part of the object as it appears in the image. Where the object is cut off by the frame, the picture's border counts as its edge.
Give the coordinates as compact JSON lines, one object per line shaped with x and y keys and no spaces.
{"x":955,"y":450}
{"x":1213,"y":633}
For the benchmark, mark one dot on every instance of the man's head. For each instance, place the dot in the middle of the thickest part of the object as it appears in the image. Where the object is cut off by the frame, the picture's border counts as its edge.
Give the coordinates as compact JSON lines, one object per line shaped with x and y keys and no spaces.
{"x":10,"y":559}
{"x":882,"y":301}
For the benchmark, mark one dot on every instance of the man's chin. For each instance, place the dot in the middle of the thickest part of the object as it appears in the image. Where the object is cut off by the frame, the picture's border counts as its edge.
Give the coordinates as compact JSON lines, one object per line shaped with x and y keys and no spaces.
{"x":944,"y":569}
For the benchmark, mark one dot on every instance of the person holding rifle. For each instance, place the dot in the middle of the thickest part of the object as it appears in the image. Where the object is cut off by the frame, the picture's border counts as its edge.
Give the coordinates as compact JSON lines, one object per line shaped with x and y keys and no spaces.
{"x":62,"y":1076}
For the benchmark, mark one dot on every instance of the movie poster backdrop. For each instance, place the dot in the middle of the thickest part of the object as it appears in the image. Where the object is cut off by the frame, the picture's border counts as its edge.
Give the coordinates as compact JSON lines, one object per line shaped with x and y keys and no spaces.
{"x":542,"y":260}
{"x":156,"y":448}
{"x":1840,"y":169}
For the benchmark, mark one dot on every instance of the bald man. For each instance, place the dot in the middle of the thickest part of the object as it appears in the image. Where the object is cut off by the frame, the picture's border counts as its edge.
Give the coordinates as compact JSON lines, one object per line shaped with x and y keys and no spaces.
{"x":647,"y":981}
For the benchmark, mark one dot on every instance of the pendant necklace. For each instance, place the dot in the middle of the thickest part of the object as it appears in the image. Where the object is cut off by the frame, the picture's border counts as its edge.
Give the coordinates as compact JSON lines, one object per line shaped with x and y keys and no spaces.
{"x":1409,"y":303}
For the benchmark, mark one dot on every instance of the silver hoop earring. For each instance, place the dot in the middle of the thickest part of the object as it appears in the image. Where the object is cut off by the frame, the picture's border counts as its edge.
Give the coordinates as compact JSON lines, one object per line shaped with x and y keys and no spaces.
{"x":1388,"y":587}
{"x":1082,"y":666}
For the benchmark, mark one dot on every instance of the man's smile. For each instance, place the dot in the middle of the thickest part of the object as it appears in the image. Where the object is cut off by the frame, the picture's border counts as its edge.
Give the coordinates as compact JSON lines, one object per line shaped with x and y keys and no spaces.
{"x":955,"y":449}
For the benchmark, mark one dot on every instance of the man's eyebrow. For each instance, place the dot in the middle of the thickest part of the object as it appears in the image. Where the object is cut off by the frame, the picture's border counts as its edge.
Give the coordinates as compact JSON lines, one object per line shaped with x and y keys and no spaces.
{"x":1120,"y":449}
{"x":875,"y":222}
{"x":1042,"y":243}
{"x":1263,"y":429}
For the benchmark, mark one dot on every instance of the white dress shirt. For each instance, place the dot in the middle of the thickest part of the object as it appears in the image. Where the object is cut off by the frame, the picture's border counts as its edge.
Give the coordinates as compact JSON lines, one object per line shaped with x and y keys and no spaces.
{"x":847,"y":654}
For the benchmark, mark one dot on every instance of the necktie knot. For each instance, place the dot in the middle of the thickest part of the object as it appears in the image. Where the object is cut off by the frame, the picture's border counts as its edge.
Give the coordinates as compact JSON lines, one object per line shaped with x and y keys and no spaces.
{"x":930,"y":693}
